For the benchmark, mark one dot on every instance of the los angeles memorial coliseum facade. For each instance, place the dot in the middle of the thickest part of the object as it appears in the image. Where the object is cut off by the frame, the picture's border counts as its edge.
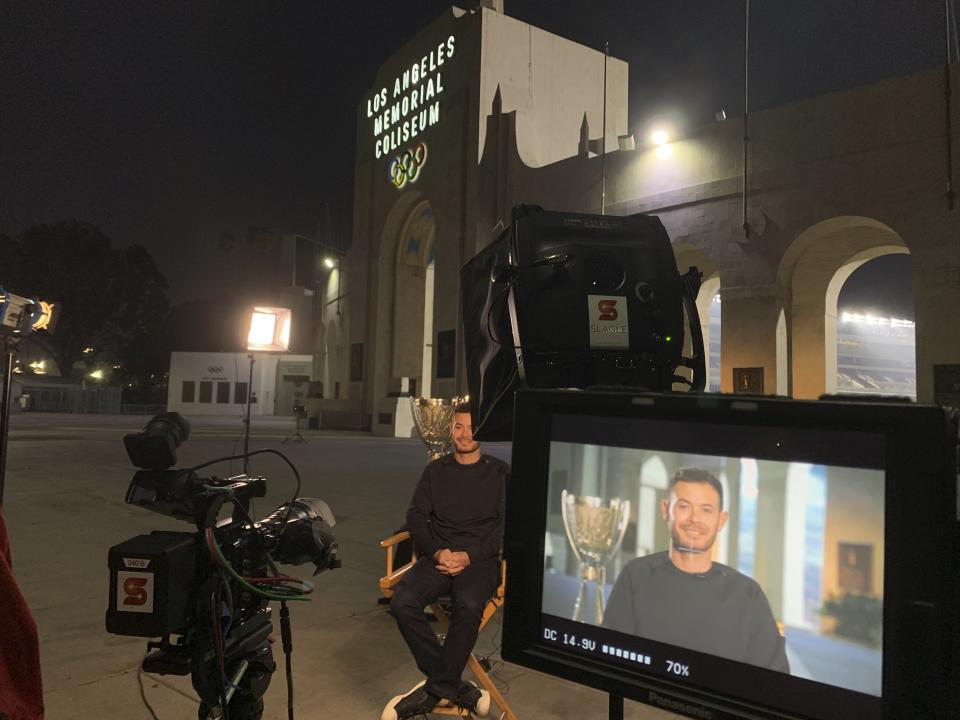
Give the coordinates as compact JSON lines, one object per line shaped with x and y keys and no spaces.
{"x":480,"y":112}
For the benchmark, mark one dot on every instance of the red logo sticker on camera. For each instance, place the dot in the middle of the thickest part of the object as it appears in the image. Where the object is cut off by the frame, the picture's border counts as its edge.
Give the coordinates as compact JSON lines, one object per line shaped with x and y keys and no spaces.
{"x":609,"y":325}
{"x":134,"y":591}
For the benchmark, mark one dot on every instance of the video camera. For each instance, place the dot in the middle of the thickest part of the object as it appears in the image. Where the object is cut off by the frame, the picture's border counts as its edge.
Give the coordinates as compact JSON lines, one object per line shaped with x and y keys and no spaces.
{"x":205,"y":594}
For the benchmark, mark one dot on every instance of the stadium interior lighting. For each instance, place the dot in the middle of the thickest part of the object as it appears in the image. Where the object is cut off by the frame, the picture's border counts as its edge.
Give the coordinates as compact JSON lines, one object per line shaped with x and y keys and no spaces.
{"x":868,"y":319}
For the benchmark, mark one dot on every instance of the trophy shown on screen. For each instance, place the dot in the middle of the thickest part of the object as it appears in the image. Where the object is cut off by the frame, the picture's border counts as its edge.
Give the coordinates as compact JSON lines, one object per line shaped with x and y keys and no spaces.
{"x":433,"y":416}
{"x":595,"y":529}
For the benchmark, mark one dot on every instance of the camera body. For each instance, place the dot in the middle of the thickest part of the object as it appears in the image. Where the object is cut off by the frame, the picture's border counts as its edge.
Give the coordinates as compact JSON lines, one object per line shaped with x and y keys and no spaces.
{"x":196,"y":591}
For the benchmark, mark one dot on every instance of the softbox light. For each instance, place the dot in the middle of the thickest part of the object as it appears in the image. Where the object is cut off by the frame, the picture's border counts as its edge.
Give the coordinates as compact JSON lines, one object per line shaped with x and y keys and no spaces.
{"x":269,"y":329}
{"x":563,"y":300}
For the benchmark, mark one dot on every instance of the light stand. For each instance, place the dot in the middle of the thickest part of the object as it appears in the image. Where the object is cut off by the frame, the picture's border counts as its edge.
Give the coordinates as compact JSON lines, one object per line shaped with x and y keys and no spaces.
{"x":10,"y":344}
{"x":268,"y":331}
{"x":246,"y":420}
{"x":298,"y":413}
{"x":19,"y":316}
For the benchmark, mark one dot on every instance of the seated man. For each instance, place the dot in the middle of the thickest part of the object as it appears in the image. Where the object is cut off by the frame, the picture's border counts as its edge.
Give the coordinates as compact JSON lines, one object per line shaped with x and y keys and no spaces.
{"x":456,"y":520}
{"x":683,"y":598}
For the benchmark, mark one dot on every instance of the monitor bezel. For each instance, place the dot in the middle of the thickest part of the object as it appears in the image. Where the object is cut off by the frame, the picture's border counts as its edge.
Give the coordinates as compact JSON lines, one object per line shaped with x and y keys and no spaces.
{"x":921,"y":646}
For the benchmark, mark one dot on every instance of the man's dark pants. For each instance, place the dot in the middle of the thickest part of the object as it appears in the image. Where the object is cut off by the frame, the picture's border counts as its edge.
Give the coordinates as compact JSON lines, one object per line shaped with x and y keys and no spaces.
{"x":470,"y":591}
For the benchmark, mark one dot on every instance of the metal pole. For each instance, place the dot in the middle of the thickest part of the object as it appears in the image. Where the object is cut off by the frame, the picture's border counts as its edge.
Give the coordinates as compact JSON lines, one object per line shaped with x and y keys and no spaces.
{"x":746,"y":112}
{"x":10,"y":344}
{"x":603,"y":141}
{"x":615,"y":707}
{"x":947,"y":101}
{"x":246,"y":421}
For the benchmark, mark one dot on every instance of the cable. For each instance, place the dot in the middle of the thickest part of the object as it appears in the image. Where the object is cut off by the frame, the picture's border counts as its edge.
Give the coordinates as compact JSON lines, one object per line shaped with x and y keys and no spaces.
{"x":494,"y":668}
{"x":262,"y":451}
{"x":217,"y":638}
{"x":500,"y":298}
{"x":503,"y":391}
{"x":287,"y":594}
{"x":143,"y":694}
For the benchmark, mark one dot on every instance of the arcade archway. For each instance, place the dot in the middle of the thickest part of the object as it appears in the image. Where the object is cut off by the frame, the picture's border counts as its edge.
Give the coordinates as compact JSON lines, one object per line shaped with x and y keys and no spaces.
{"x":813,"y":270}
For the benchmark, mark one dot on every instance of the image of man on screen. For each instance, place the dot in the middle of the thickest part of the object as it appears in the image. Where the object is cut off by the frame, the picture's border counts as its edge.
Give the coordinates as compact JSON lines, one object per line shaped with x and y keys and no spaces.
{"x":683,"y":598}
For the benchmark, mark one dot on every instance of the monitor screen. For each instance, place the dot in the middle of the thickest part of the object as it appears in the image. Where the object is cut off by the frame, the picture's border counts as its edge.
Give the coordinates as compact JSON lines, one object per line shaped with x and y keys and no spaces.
{"x":736,"y":557}
{"x":744,"y":558}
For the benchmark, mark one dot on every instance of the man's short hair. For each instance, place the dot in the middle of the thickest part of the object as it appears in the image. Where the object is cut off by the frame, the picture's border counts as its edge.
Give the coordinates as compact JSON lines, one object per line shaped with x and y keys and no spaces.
{"x":696,"y":475}
{"x":463,"y":407}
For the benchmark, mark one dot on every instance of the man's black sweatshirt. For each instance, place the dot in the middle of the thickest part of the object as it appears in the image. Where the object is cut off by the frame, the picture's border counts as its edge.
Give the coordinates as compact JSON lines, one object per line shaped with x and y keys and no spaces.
{"x":460,"y":507}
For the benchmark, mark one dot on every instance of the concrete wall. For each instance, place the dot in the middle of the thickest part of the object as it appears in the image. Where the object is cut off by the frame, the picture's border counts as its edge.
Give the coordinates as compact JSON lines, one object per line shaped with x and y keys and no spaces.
{"x":550,"y":82}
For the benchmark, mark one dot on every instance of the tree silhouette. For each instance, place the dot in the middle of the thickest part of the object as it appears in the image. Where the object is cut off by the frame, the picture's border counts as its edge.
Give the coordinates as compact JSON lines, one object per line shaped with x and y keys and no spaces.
{"x":112,"y":299}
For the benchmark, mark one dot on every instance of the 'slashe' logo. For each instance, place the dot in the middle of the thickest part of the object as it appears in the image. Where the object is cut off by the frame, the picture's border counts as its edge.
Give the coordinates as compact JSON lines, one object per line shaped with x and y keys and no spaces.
{"x":406,"y":167}
{"x":135,"y":590}
{"x":608,"y":310}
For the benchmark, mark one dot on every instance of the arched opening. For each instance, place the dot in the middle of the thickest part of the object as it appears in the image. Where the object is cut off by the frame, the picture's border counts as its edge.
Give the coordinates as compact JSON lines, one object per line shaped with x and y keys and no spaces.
{"x":812,"y":273}
{"x":708,"y":307}
{"x":876,"y":344}
{"x":412,"y":352}
{"x":783,"y":356}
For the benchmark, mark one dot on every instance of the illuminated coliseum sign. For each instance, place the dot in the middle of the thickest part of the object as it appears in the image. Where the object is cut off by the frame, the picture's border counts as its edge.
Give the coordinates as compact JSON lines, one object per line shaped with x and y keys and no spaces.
{"x":401,"y":112}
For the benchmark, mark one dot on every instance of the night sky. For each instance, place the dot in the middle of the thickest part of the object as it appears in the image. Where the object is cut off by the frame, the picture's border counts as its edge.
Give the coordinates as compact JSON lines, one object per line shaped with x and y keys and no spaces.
{"x":167,"y":124}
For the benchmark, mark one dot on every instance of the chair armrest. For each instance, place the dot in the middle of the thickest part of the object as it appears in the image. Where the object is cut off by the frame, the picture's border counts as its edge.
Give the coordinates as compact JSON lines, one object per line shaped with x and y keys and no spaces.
{"x":393,"y":574}
{"x":388,"y":581}
{"x":395,"y":539}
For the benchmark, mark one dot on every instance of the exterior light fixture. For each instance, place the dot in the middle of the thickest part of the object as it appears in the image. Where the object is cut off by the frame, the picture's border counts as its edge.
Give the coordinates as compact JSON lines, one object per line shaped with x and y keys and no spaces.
{"x":97,"y":374}
{"x":660,"y":137}
{"x":329,"y":263}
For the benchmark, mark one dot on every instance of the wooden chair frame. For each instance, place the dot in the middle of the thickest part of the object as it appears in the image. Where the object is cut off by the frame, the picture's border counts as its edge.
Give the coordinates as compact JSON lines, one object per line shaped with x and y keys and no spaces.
{"x":395,"y":574}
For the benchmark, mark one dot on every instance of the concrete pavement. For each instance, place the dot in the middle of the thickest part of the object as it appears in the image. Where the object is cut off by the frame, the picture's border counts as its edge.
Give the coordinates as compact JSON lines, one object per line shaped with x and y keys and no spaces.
{"x":65,"y":484}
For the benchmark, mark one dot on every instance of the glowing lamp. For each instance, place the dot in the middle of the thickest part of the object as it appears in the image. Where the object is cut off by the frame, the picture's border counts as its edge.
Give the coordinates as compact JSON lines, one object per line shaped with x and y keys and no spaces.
{"x":22,"y":316}
{"x":269,"y":329}
{"x":329,"y":263}
{"x":660,"y":137}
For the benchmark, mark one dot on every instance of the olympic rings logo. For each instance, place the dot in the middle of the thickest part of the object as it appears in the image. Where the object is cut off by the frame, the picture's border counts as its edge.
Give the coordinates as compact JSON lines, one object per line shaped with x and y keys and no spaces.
{"x":405,"y":168}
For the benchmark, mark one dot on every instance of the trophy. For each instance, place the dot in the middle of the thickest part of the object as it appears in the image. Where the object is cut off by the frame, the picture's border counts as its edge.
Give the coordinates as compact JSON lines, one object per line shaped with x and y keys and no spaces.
{"x":595,"y":529}
{"x":433,"y":417}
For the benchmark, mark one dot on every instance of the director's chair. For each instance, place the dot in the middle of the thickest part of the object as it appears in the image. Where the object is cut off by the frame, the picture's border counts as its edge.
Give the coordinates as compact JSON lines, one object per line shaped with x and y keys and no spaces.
{"x":395,"y":574}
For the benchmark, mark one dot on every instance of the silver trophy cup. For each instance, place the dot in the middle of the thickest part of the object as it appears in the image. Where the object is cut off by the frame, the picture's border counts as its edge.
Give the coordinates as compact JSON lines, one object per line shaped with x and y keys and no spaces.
{"x":595,"y":529}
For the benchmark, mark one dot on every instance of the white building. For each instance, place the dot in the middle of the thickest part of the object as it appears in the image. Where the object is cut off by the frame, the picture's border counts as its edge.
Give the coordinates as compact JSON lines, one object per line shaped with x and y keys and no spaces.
{"x":217,"y":383}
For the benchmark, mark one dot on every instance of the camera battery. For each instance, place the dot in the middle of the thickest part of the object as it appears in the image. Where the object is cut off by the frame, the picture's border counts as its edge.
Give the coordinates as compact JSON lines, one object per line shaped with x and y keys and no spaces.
{"x":151,"y":577}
